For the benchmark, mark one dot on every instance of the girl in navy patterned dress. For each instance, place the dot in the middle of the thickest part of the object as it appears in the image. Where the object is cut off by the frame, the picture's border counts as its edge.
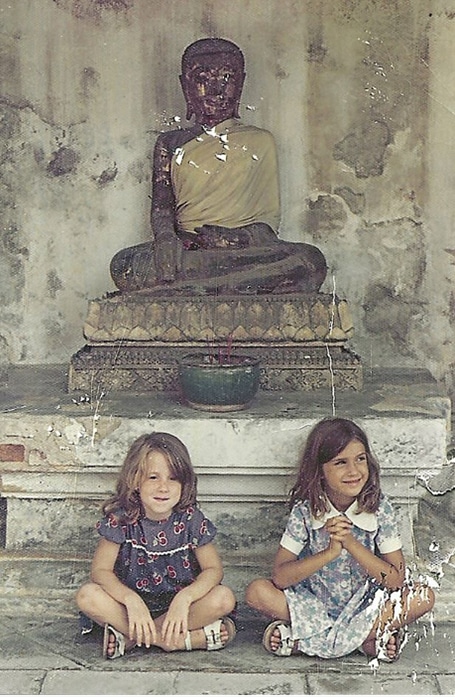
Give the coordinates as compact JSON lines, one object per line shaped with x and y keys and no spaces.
{"x":339,"y":578}
{"x":156,"y":573}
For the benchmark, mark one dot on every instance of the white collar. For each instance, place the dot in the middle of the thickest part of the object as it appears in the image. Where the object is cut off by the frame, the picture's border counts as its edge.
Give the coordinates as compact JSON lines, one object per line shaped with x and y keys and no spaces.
{"x":365,"y":521}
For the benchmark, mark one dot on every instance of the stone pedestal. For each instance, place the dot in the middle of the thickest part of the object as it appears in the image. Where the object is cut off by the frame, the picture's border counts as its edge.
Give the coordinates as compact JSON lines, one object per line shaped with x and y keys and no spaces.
{"x":134,"y":340}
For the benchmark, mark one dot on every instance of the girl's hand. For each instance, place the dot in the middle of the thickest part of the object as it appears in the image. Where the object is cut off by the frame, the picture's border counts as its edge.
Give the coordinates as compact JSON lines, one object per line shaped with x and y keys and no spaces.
{"x":339,"y":528}
{"x":141,"y":625}
{"x":176,"y":621}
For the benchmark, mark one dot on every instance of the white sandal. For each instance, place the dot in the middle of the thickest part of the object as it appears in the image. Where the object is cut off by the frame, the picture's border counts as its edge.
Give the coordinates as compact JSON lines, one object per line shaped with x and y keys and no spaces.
{"x":401,"y":639}
{"x":286,"y":645}
{"x":213,"y":634}
{"x":119,"y":642}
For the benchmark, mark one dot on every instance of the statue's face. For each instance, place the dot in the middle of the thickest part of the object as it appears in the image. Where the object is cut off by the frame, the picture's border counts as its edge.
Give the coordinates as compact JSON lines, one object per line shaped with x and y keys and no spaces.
{"x":212,"y":85}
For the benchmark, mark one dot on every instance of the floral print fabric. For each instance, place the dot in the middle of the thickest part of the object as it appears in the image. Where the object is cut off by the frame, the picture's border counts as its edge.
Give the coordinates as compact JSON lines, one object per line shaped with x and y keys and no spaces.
{"x":158,"y":556}
{"x":332,"y":611}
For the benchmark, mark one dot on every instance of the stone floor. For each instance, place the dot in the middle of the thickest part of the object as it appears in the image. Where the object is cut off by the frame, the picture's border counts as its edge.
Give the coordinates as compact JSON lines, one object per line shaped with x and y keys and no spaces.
{"x":47,"y":656}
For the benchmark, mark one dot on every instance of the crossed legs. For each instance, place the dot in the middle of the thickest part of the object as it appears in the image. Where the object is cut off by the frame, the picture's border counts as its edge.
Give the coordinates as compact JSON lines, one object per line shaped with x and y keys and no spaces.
{"x":102,"y":608}
{"x":264,"y":596}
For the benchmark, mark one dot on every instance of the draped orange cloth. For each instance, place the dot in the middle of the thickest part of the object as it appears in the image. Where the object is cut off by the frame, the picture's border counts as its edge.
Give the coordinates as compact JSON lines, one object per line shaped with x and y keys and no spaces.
{"x":227,"y":176}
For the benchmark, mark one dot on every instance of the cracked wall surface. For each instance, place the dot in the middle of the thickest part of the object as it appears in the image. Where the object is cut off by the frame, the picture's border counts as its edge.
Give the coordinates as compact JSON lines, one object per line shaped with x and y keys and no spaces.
{"x":357,"y":93}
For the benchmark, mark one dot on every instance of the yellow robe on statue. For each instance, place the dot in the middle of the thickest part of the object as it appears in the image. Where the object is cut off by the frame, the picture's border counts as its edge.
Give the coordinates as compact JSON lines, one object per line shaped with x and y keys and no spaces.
{"x":227,"y":176}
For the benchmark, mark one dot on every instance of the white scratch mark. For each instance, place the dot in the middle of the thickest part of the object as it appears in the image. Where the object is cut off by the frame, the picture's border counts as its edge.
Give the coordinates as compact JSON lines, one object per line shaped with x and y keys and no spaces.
{"x":329,"y":357}
{"x":193,"y":164}
{"x":179,"y":154}
{"x":211,"y":131}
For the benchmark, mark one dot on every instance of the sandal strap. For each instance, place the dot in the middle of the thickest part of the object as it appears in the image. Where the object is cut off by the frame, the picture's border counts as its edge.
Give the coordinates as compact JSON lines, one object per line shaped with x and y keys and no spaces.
{"x":188,"y":644}
{"x":213,"y":635}
{"x":401,"y":638}
{"x":286,"y":644}
{"x":119,"y":642}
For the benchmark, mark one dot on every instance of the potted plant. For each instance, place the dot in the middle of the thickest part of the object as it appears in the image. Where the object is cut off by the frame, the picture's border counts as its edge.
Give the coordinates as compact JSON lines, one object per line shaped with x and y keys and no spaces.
{"x":219,"y":380}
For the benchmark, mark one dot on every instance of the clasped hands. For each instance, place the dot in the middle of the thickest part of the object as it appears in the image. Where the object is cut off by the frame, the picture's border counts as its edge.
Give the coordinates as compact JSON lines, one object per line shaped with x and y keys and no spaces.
{"x":339,"y":528}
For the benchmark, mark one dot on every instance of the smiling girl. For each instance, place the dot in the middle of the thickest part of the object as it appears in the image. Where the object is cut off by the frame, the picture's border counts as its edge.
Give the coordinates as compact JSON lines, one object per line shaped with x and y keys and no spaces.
{"x":156,"y":573}
{"x":339,"y":578}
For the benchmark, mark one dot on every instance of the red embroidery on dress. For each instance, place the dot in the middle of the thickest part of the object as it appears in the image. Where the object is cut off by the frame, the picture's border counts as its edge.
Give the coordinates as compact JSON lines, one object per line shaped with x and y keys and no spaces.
{"x":162,"y":539}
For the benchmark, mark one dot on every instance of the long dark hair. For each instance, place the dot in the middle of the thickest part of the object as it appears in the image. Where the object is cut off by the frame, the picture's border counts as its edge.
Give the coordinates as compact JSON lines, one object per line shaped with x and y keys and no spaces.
{"x":126,"y":497}
{"x":328,"y":438}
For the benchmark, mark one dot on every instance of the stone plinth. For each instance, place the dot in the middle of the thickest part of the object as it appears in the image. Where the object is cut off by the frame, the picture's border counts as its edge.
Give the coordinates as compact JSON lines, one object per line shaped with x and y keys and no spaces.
{"x":134,"y":341}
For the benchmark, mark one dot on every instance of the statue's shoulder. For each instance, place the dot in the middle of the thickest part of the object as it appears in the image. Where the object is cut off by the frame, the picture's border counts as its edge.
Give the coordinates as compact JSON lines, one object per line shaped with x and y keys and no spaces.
{"x":170,"y":140}
{"x":259,"y":134}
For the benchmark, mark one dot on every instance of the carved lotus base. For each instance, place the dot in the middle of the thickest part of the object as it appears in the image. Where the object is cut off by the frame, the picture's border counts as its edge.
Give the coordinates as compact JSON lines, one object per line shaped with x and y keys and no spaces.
{"x":134,"y":340}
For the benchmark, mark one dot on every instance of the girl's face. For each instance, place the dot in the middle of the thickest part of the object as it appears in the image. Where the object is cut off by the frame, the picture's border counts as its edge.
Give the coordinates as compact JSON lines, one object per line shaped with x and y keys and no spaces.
{"x":160,"y":491}
{"x":346,"y":475}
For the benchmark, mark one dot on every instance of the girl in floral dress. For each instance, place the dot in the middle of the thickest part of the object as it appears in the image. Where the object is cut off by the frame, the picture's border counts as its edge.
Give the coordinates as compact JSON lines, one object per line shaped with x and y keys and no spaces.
{"x":339,"y":581}
{"x":156,"y":574}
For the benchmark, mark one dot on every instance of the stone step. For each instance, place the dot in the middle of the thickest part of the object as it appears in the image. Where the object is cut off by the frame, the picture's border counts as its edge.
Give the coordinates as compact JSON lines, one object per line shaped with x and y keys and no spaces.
{"x":36,"y":584}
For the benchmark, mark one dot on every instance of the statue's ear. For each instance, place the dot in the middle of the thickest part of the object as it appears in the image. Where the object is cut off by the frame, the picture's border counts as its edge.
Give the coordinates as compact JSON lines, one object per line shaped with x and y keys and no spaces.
{"x":186,"y":94}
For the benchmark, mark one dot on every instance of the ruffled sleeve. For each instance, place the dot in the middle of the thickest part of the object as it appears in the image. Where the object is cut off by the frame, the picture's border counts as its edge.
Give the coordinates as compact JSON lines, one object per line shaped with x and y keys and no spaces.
{"x":201,"y":530}
{"x":109,"y":528}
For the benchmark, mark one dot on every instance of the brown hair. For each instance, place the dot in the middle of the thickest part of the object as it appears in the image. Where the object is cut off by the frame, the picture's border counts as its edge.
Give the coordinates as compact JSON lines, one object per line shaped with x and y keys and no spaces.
{"x":126,"y":498}
{"x":328,"y":438}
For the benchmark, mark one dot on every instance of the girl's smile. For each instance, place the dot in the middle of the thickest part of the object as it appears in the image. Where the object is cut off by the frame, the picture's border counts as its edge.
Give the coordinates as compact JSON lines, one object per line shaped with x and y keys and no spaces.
{"x":160,"y":491}
{"x":346,"y":475}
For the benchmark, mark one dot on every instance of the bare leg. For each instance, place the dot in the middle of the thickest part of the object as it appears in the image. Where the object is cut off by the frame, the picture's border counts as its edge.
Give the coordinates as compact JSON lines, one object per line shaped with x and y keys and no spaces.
{"x":414,"y":602}
{"x":102,"y":608}
{"x":264,"y":596}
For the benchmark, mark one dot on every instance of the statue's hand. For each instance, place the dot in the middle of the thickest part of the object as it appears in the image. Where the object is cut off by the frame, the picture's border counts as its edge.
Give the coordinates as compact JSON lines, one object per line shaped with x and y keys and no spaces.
{"x":216,"y":236}
{"x":167,"y":257}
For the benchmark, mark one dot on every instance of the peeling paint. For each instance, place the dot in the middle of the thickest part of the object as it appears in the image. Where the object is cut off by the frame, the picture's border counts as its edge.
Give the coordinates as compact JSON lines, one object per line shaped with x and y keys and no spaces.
{"x":364,"y":149}
{"x":107,"y":176}
{"x":92,"y":9}
{"x":63,"y":161}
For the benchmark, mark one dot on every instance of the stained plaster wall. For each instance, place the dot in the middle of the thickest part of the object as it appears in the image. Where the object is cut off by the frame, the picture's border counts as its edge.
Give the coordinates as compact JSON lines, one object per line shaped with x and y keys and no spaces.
{"x":358,"y":93}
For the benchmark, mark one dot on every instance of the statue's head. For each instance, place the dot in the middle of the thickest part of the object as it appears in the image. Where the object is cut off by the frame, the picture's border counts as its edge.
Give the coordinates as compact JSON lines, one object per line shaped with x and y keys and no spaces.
{"x":212,"y":80}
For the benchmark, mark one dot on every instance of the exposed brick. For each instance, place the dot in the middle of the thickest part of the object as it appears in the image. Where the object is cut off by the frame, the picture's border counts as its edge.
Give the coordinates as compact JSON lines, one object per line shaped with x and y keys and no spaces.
{"x":12,"y":452}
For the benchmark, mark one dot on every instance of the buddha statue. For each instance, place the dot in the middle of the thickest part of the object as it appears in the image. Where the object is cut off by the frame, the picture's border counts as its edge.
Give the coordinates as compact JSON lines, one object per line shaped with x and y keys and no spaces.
{"x":215,"y":198}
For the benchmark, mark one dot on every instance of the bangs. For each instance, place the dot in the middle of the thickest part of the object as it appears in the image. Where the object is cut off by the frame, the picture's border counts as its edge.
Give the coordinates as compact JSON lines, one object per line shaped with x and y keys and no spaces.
{"x":334,"y":438}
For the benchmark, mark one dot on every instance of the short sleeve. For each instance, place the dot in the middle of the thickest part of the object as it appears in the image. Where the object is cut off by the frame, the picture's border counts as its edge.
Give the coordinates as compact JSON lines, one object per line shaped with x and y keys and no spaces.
{"x":295,"y":535}
{"x":388,"y":535}
{"x":109,"y":528}
{"x":201,"y":530}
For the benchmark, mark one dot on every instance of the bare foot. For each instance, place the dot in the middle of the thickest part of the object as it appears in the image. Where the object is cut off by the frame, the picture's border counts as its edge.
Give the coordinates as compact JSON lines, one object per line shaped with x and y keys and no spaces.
{"x":112,"y":642}
{"x":369,"y":647}
{"x":275,"y":642}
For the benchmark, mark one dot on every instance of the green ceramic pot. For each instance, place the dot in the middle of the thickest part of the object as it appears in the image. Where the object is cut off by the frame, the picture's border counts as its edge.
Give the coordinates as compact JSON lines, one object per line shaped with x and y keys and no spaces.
{"x":213,"y":385}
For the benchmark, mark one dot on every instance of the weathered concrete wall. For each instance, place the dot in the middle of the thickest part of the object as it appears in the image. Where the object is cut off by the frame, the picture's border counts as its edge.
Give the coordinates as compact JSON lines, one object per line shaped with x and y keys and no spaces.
{"x":360,"y":98}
